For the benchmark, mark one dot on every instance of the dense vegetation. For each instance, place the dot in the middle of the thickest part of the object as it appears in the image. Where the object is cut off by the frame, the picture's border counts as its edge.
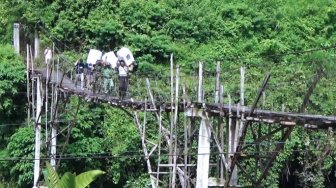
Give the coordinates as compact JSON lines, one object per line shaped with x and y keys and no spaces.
{"x":260,"y":35}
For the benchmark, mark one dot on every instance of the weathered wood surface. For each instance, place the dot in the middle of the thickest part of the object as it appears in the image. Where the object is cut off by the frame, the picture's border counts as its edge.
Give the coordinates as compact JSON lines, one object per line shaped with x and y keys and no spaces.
{"x":286,"y":118}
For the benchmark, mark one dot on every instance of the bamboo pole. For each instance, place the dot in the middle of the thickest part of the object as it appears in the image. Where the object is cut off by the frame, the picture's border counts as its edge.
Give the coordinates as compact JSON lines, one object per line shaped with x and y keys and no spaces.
{"x":171,"y":118}
{"x":216,"y":101}
{"x":221,"y":130}
{"x":37,"y":134}
{"x":33,"y":97}
{"x":185,"y":151}
{"x":57,"y":71}
{"x":200,"y":82}
{"x":36,"y":45}
{"x":175,"y":125}
{"x":46,"y":102}
{"x":242,"y":89}
{"x":31,"y":56}
{"x":159,"y":148}
{"x":28,"y":90}
{"x":232,"y":143}
{"x":217,"y":85}
{"x":242,"y":96}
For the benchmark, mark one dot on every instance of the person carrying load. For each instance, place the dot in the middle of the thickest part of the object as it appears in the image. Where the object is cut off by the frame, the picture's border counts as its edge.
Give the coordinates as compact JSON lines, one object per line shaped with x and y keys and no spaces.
{"x":126,"y":63}
{"x":126,"y":54}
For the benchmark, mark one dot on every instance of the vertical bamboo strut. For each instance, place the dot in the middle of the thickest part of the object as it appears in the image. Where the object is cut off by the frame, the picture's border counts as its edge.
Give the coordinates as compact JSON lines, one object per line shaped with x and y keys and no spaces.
{"x":57,"y":71}
{"x":232,"y":142}
{"x":37,"y":133}
{"x":46,"y":104}
{"x":53,"y":115}
{"x":185,"y":151}
{"x":242,"y":85}
{"x":200,"y":81}
{"x":175,"y":125}
{"x":217,"y":84}
{"x":33,"y":98}
{"x":52,"y":162}
{"x":171,"y":117}
{"x":221,"y":130}
{"x":221,"y":156}
{"x":28,"y":91}
{"x":159,"y":148}
{"x":217,"y":95}
{"x":31,"y":66}
{"x":242,"y":101}
{"x":36,"y":45}
{"x":53,"y":129}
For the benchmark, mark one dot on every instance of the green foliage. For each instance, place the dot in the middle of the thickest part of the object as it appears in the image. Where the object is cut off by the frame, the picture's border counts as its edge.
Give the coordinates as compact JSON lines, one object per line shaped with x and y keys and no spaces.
{"x":85,"y":178}
{"x":142,"y":181}
{"x":12,"y":80}
{"x":69,"y":180}
{"x":104,"y":131}
{"x":50,"y":176}
{"x":12,"y":96}
{"x":122,"y":140}
{"x":21,"y":145}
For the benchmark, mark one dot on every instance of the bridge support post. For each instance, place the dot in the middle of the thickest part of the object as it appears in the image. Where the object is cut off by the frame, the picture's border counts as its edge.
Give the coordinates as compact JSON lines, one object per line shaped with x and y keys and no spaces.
{"x":16,"y":37}
{"x":203,"y":155}
{"x":203,"y":152}
{"x":53,"y":116}
{"x":37,"y":133}
{"x":36,"y":45}
{"x":232,"y":143}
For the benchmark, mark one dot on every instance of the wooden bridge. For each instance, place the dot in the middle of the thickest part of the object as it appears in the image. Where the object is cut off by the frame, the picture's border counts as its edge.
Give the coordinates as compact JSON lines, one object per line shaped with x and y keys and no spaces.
{"x":222,"y":152}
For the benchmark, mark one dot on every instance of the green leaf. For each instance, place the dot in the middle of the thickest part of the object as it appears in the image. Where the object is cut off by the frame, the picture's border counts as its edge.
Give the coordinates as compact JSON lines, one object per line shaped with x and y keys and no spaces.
{"x":68,"y":180}
{"x":51,"y":176}
{"x":85,"y":178}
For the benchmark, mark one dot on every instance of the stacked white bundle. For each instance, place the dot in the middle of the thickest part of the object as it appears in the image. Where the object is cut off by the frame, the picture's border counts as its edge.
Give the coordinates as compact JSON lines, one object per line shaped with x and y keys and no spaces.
{"x":94,"y":56}
{"x":110,"y":58}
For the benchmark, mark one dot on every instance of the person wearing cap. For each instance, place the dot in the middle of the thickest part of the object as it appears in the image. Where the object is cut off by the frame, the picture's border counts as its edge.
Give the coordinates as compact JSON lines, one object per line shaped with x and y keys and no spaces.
{"x":123,"y":78}
{"x":79,"y":69}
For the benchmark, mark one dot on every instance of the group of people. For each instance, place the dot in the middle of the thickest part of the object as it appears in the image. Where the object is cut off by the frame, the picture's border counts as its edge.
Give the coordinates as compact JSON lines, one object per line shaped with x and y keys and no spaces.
{"x":91,"y":76}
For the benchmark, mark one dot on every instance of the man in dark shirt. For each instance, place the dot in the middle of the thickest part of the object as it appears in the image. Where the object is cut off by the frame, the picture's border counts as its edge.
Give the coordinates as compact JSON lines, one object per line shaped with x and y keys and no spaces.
{"x":79,"y":69}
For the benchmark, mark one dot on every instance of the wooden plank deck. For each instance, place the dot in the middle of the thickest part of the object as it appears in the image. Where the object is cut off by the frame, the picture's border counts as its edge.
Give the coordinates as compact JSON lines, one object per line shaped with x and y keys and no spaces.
{"x":266,"y":116}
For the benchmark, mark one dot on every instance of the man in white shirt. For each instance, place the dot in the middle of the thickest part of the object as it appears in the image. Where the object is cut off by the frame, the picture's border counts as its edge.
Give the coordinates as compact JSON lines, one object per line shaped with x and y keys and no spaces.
{"x":47,"y":55}
{"x":123,"y":78}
